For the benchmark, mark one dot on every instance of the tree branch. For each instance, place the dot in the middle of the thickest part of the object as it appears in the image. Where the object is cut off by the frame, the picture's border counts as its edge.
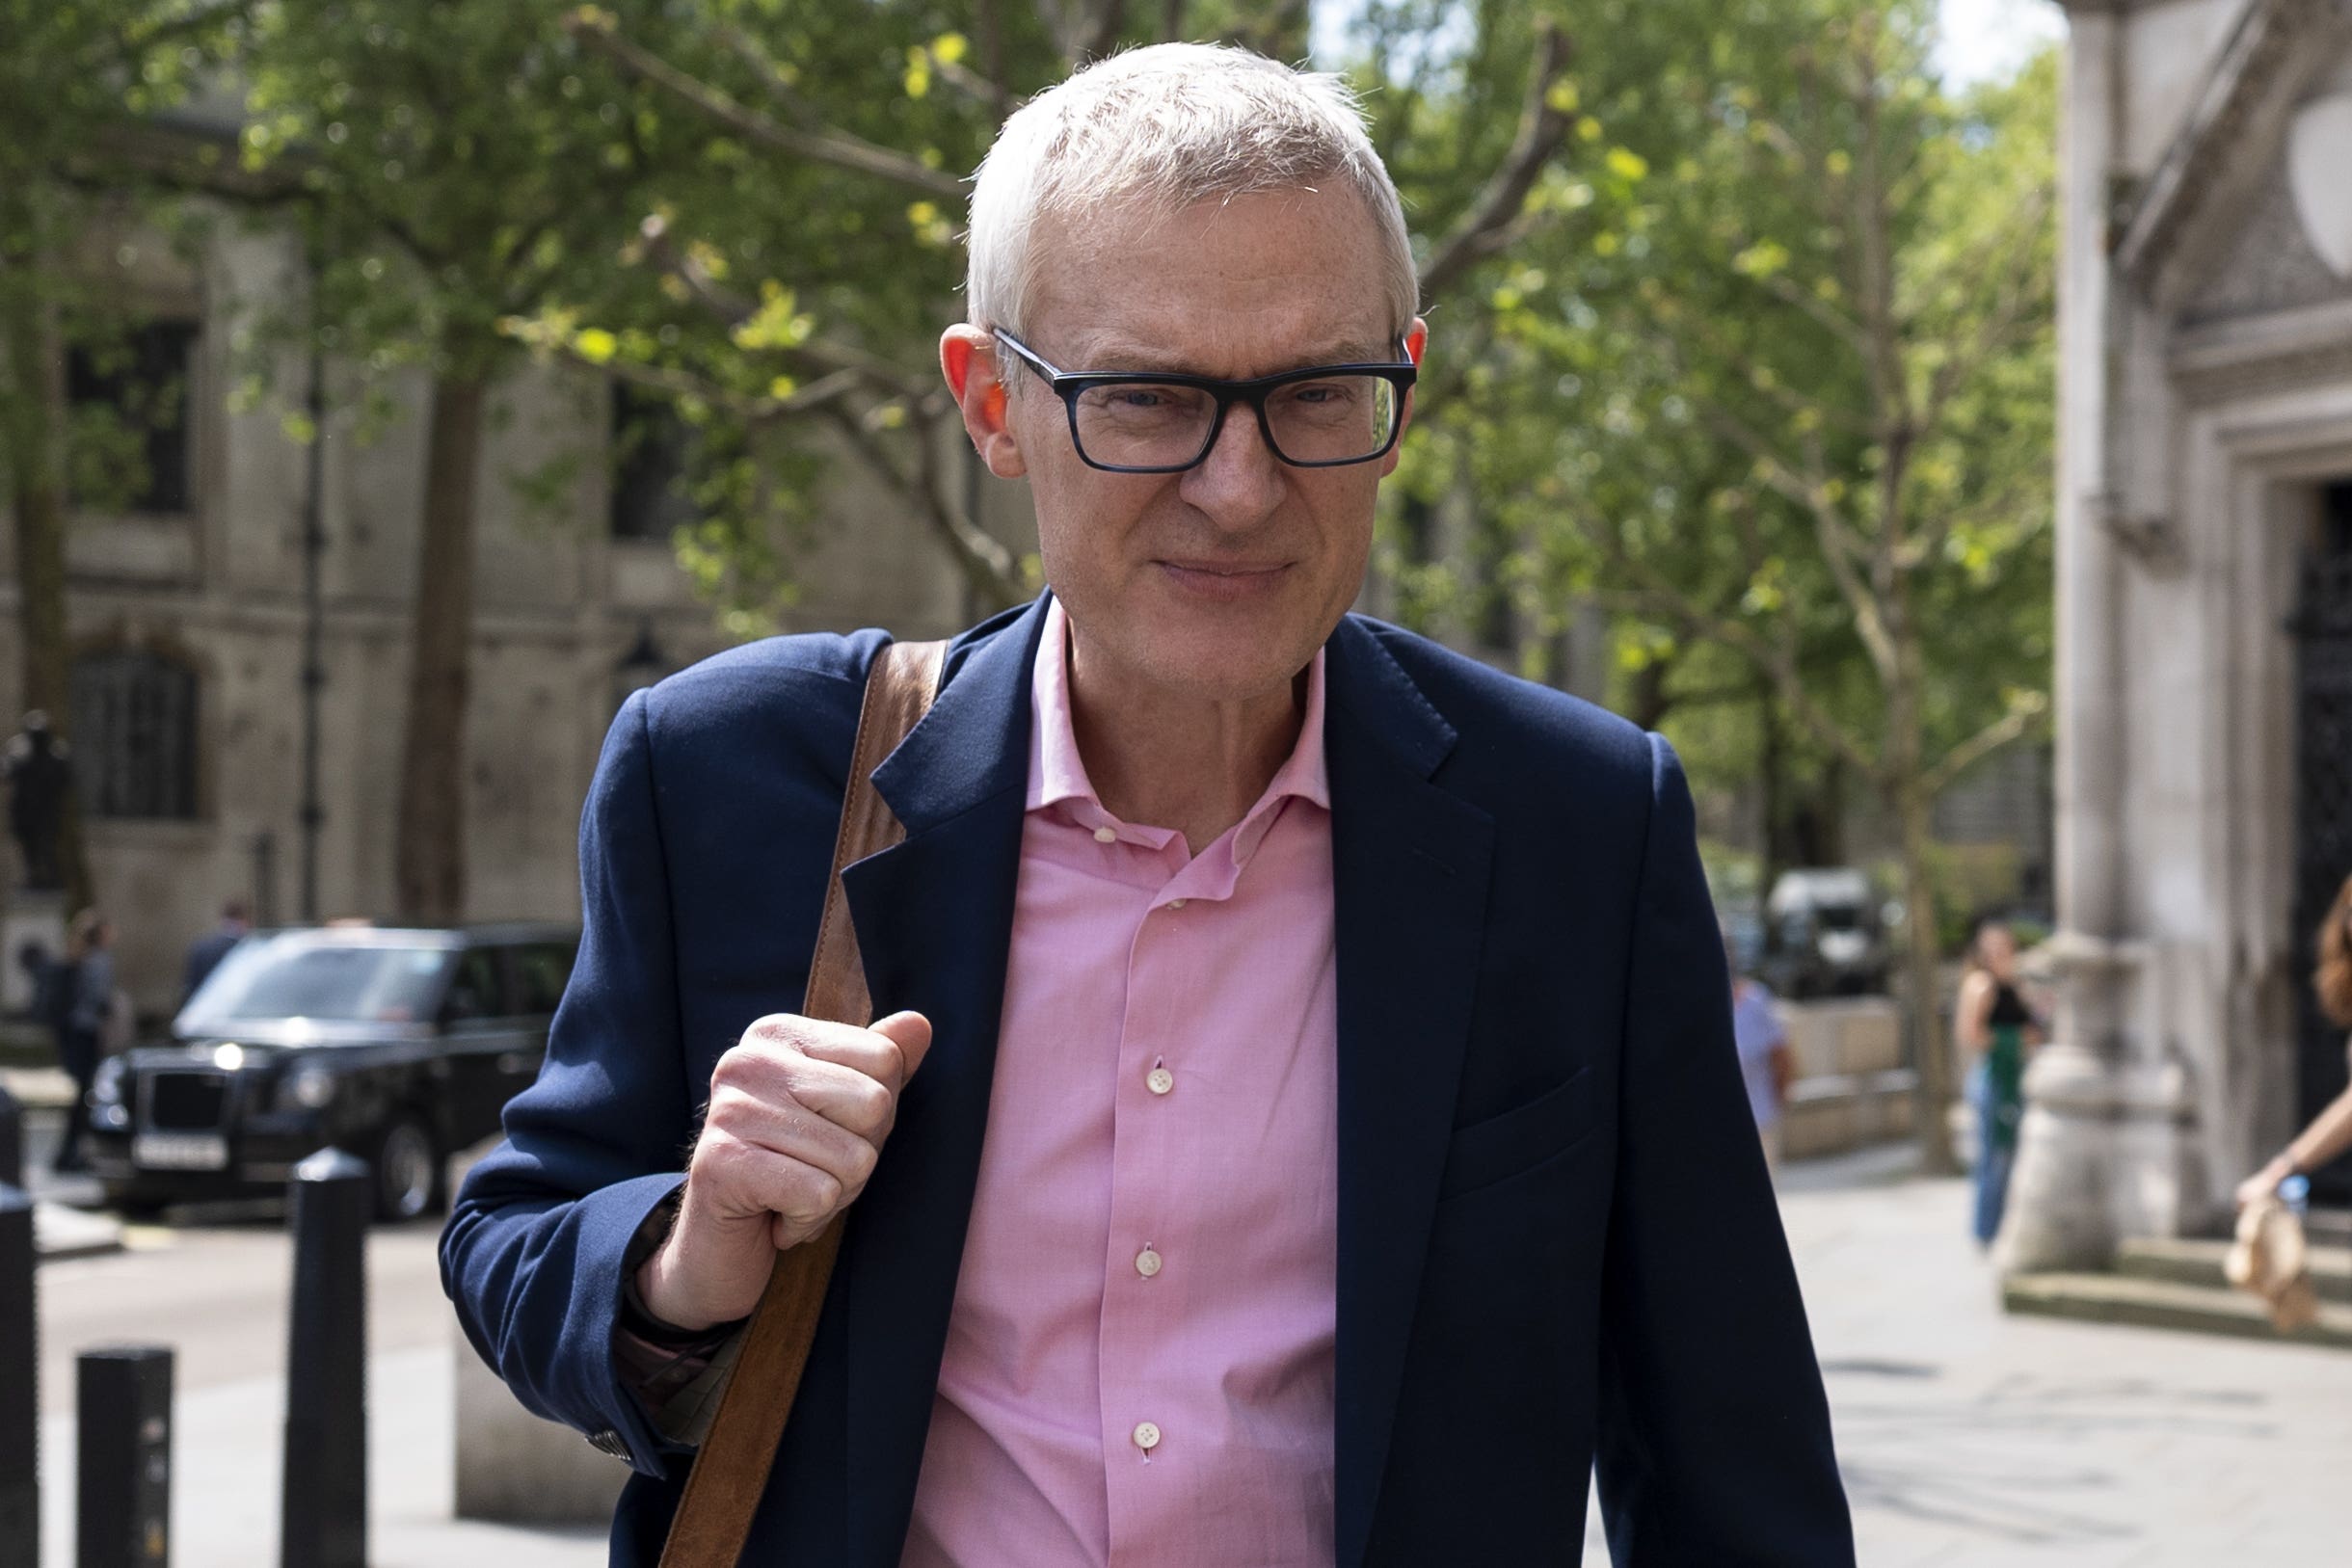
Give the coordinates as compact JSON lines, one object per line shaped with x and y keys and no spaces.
{"x":601,"y":31}
{"x":749,"y":50}
{"x":2006,"y":261}
{"x":2025,"y":713}
{"x":732,"y":310}
{"x":1662,"y":595}
{"x":985,"y":563}
{"x":1485,"y":228}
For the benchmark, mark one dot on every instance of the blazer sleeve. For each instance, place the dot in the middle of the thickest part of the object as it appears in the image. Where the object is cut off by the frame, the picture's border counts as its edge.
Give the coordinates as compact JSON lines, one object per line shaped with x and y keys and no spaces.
{"x":1714,"y":1443}
{"x":532,"y":1254}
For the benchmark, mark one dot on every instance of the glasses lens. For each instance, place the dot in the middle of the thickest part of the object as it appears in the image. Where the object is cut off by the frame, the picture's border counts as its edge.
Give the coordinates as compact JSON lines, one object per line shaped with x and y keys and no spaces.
{"x":1142,"y":425}
{"x":1332,"y":418}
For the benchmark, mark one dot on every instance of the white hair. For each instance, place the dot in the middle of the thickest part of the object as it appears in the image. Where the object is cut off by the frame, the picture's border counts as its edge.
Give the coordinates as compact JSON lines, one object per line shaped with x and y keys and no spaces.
{"x":1170,"y":126}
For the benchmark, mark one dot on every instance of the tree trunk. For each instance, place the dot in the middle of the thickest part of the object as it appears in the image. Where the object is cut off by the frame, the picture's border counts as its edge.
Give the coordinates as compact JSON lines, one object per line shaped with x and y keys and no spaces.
{"x":1922,"y":956}
{"x":36,"y":387}
{"x":431,"y":845}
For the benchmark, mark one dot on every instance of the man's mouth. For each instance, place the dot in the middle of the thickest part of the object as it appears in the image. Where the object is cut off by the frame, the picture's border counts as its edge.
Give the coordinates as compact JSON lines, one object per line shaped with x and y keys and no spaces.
{"x":1224,"y":580}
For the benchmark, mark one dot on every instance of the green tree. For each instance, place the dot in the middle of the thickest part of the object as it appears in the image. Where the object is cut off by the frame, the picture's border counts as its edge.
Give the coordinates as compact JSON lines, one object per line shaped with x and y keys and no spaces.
{"x":78,"y":79}
{"x":799,"y":267}
{"x":1798,"y":354}
{"x":460,"y":165}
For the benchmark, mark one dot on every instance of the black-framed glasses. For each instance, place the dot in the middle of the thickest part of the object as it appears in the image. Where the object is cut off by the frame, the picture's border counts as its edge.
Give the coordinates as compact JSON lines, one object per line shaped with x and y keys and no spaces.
{"x":1137,"y":421}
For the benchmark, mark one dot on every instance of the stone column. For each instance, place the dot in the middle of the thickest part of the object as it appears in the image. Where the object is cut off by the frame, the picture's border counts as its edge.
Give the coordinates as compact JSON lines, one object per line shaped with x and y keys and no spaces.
{"x":2058,"y":1214}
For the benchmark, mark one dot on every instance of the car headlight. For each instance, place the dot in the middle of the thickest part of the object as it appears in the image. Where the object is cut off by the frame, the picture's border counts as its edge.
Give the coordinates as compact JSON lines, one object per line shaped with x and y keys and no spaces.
{"x":308,"y":1087}
{"x":106,"y":1088}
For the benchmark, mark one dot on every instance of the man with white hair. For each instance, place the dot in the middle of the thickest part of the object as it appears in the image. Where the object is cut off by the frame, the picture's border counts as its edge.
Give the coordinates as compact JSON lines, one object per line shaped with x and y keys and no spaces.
{"x":1304,"y":1127}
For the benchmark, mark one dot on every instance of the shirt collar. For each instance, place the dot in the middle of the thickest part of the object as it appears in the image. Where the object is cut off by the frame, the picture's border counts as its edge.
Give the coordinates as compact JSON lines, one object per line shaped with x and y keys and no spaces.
{"x":1058,"y":773}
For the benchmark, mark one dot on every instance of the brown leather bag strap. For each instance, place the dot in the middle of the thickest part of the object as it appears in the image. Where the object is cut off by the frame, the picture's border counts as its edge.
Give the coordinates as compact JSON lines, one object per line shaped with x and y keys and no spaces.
{"x":731,"y":1471}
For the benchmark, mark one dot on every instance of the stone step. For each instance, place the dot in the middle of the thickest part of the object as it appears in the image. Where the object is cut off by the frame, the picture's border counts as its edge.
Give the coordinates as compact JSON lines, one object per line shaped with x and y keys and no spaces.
{"x":2186,"y":1261}
{"x":2145,"y":1303}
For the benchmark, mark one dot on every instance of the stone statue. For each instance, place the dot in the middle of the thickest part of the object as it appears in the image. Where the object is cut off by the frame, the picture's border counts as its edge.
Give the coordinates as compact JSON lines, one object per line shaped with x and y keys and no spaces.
{"x":39,"y":773}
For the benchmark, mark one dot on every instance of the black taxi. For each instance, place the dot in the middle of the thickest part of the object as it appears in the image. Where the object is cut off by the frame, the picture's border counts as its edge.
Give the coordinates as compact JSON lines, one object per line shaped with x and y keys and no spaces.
{"x":398,"y":1046}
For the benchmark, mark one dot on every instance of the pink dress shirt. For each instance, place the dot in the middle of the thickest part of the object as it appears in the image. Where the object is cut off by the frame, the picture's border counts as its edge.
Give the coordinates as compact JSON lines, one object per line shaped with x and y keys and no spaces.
{"x":1139,"y":1369}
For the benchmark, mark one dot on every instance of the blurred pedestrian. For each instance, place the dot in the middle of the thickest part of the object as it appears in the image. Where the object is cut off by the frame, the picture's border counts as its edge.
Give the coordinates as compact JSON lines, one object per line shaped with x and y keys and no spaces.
{"x":1995,"y":1027}
{"x":2330,"y":1133}
{"x":86,"y":1009}
{"x":1766,"y":1063}
{"x":206,"y":951}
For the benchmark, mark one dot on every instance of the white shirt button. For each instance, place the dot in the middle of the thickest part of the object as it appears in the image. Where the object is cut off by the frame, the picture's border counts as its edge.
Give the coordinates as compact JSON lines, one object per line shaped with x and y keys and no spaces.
{"x":1161,"y":1081}
{"x":1147,"y":1436}
{"x":1105,"y":835}
{"x":1147,"y":1262}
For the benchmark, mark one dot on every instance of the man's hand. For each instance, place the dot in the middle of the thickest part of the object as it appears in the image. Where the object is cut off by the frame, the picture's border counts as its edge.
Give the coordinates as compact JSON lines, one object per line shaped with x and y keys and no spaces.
{"x":799,"y":1110}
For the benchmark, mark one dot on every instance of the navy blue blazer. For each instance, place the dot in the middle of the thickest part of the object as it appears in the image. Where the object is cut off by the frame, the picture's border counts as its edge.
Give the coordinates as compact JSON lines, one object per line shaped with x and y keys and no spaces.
{"x":1558,"y":1241}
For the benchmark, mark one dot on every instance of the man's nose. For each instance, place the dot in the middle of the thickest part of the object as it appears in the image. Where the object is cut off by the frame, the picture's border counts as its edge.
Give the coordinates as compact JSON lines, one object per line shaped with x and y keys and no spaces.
{"x":1241,"y":480}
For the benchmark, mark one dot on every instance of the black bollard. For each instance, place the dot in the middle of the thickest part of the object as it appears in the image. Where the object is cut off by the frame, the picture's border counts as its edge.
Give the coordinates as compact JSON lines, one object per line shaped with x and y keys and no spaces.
{"x":124,"y":1488}
{"x":324,"y":1512}
{"x":12,"y":1140}
{"x":19,"y":1384}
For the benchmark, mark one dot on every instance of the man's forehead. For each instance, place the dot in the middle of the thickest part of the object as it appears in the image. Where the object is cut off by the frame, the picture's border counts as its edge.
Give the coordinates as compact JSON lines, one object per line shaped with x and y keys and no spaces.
{"x":1255,"y":284}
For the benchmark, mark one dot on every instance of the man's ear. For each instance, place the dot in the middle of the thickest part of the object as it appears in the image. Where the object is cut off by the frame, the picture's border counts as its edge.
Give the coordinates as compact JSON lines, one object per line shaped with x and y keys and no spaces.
{"x":967,"y":359}
{"x":1416,"y":342}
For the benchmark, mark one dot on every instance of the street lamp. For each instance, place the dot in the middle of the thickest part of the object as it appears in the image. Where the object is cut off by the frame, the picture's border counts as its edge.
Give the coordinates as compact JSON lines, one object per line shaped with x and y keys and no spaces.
{"x":640,"y":667}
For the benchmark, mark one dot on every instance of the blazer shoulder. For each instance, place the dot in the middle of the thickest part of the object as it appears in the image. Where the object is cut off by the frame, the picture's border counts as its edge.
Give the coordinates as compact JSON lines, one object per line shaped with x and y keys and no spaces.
{"x":1502,"y":721}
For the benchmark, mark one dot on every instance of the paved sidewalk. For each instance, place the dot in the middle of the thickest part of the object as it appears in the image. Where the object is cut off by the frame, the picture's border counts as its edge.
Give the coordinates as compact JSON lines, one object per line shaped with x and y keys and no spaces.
{"x":1972,"y":1439}
{"x":1969,"y":1438}
{"x":226,"y":1456}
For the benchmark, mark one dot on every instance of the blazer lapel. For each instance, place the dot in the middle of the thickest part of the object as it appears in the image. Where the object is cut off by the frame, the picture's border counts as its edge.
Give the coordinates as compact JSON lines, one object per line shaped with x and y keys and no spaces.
{"x":934,"y":925}
{"x":1409,"y":874}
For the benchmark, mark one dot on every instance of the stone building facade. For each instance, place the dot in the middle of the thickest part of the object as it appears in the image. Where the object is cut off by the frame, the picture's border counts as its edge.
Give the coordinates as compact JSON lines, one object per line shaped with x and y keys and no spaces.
{"x":2204,"y":778}
{"x":188,"y":614}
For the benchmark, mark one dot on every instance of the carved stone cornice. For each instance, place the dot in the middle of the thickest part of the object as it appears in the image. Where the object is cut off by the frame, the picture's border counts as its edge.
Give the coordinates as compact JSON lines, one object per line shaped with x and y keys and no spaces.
{"x":2289,"y":348}
{"x":2270,"y":45}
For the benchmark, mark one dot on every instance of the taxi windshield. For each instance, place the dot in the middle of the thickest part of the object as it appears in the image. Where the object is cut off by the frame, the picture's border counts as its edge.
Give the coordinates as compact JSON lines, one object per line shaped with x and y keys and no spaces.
{"x":298,"y":975}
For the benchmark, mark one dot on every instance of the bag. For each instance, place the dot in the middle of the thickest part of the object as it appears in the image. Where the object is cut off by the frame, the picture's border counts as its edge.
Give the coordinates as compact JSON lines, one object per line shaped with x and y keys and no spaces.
{"x":731,"y":1471}
{"x":2269,"y":1259}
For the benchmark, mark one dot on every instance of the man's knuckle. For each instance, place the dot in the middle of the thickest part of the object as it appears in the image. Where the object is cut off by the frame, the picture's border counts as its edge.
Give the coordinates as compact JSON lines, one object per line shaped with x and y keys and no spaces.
{"x":863,"y":1157}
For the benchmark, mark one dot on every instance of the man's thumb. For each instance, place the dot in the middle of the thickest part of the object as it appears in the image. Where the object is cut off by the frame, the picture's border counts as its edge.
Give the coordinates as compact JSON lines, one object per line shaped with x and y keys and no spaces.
{"x":910,"y":1032}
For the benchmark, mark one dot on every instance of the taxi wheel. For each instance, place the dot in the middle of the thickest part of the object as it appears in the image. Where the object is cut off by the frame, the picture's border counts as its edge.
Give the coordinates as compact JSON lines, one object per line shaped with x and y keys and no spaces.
{"x":409,"y":1172}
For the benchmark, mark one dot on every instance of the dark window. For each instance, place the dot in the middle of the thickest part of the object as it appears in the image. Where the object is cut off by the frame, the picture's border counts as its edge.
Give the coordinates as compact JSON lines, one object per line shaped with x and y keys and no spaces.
{"x":129,"y":401}
{"x":134,"y":735}
{"x":541,"y":970}
{"x":2335,"y":518}
{"x":652,"y":449}
{"x":474,"y":992}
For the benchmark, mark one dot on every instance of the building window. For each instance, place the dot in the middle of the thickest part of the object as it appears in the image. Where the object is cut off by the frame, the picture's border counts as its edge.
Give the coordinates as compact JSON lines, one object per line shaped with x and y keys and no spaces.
{"x":2335,"y":519}
{"x":653,"y":448}
{"x":134,"y":735}
{"x":129,"y":400}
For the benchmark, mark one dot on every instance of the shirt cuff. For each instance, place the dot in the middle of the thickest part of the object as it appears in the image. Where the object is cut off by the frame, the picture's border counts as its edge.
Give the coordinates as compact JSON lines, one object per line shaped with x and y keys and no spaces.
{"x":676,"y":1374}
